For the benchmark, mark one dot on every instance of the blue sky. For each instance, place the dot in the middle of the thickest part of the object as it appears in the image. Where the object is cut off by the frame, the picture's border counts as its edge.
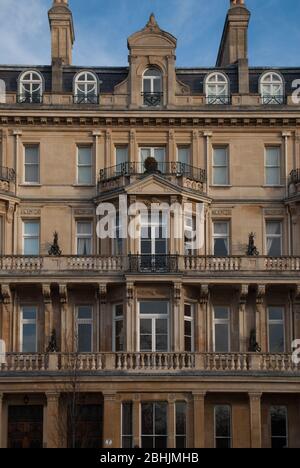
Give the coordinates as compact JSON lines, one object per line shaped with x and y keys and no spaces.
{"x":102,"y":27}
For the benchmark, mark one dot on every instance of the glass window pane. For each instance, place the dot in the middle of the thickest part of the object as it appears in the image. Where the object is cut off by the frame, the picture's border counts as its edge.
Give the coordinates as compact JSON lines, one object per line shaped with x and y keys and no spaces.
{"x":273,"y":176}
{"x":154,"y":307}
{"x":273,"y":227}
{"x":85,"y":156}
{"x":85,"y":338}
{"x":220,"y":176}
{"x":31,"y":155}
{"x":278,"y":421}
{"x":221,"y":229}
{"x":31,"y":246}
{"x":184,"y":155}
{"x":222,"y":338}
{"x":221,"y":313}
{"x":121,"y":155}
{"x":32,"y":174}
{"x":29,"y":313}
{"x":276,"y":338}
{"x":159,"y":154}
{"x":85,"y":312}
{"x":84,"y":228}
{"x":161,"y":418}
{"x":276,"y":313}
{"x":84,"y":175}
{"x":221,"y":247}
{"x":273,"y":156}
{"x":29,"y":338}
{"x":127,"y":419}
{"x":147,"y":419}
{"x":119,"y":310}
{"x":31,"y":228}
{"x":84,"y":247}
{"x":274,"y":246}
{"x":222,"y":425}
{"x":220,"y":156}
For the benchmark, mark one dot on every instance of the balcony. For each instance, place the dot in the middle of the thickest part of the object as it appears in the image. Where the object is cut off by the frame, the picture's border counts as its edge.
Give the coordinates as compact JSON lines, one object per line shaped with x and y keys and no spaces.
{"x":241,"y":363}
{"x":86,"y":99}
{"x":122,"y":174}
{"x":152,"y":99}
{"x":189,"y":266}
{"x":30,"y":98}
{"x":275,"y":100}
{"x":218,"y":100}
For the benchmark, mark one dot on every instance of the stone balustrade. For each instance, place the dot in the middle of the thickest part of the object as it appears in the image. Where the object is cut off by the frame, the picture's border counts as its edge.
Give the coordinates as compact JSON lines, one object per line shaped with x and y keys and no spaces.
{"x":188,"y":265}
{"x":149,"y":362}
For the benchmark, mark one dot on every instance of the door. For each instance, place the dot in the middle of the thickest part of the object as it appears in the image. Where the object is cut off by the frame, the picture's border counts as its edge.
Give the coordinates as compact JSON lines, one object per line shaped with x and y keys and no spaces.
{"x":25,"y":427}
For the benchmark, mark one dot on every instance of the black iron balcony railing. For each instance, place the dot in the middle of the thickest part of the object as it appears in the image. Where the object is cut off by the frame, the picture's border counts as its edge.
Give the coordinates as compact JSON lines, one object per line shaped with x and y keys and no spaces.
{"x":295,"y":176}
{"x":152,"y":99}
{"x":153,"y":263}
{"x":164,"y":168}
{"x":222,"y":100}
{"x":274,"y":99}
{"x":7,"y":174}
{"x":30,"y":98}
{"x":86,"y":99}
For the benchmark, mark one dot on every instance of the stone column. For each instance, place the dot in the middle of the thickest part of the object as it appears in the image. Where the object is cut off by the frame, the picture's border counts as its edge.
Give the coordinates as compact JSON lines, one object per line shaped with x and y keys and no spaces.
{"x":255,"y":420}
{"x":7,"y":313}
{"x":243,"y":344}
{"x":130,"y":320}
{"x":104,"y":340}
{"x":2,"y":425}
{"x":108,"y":148}
{"x":171,"y":421}
{"x":136,"y":420}
{"x":54,"y":431}
{"x":261,"y":319}
{"x":177,"y":327}
{"x":64,"y":328}
{"x":200,"y":319}
{"x":199,"y":419}
{"x":48,"y":313}
{"x":111,"y":421}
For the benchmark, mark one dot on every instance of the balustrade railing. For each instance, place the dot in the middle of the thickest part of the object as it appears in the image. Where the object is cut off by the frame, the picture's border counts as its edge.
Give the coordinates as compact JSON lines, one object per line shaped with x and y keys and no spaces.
{"x":149,"y":362}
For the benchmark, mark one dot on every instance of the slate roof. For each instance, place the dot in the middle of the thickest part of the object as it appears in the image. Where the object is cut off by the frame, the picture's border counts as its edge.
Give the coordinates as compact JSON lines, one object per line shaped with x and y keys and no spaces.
{"x":109,"y":77}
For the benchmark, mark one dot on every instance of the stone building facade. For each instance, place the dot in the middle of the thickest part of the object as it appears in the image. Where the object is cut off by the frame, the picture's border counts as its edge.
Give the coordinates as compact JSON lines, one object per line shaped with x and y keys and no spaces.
{"x":158,"y":343}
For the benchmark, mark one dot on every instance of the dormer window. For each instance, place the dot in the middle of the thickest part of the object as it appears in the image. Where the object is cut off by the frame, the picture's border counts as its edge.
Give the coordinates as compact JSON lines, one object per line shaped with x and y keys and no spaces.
{"x":217,"y":89}
{"x":271,"y":88}
{"x":30,"y":88}
{"x":86,"y":88}
{"x":152,"y":88}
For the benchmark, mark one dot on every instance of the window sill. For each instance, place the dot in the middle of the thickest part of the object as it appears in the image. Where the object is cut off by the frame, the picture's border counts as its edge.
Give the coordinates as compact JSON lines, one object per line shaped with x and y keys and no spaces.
{"x":221,"y":186}
{"x":274,"y":186}
{"x":30,"y":185}
{"x":84,"y":185}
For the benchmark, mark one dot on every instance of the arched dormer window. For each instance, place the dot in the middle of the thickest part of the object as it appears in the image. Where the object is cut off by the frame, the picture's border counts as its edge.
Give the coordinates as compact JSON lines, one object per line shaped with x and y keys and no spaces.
{"x":86,"y":88}
{"x":272,"y":88}
{"x":217,"y":89}
{"x":152,"y":88}
{"x":30,"y":87}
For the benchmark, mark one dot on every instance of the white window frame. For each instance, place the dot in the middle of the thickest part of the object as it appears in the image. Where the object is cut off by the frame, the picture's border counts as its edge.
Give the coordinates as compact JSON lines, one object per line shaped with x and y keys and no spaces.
{"x":85,"y":83}
{"x":90,"y":166}
{"x":277,"y":322}
{"x":26,"y":236}
{"x":153,"y":318}
{"x":278,"y":167}
{"x":152,"y":150}
{"x":215,"y":425}
{"x":152,"y":80}
{"x":271,"y":83}
{"x":28,"y":322}
{"x":27,"y":85}
{"x":38,"y":164}
{"x":118,"y":318}
{"x":190,"y":319}
{"x":222,"y":322}
{"x":216,"y":82}
{"x":79,"y":322}
{"x":277,"y":236}
{"x":221,"y":236}
{"x":84,"y":236}
{"x":153,"y":224}
{"x":154,"y":436}
{"x":286,"y":421}
{"x":226,"y":167}
{"x":122,"y":418}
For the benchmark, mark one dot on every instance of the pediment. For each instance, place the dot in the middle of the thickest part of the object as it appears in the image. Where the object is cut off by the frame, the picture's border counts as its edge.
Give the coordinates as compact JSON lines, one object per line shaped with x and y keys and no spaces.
{"x":153,"y":185}
{"x":152,"y":36}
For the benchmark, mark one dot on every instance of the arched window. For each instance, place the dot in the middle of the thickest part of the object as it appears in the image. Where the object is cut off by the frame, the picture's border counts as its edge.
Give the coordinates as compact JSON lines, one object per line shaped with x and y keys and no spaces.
{"x":217,"y":89}
{"x":152,"y":87}
{"x":30,"y":87}
{"x":271,"y":88}
{"x":86,"y":88}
